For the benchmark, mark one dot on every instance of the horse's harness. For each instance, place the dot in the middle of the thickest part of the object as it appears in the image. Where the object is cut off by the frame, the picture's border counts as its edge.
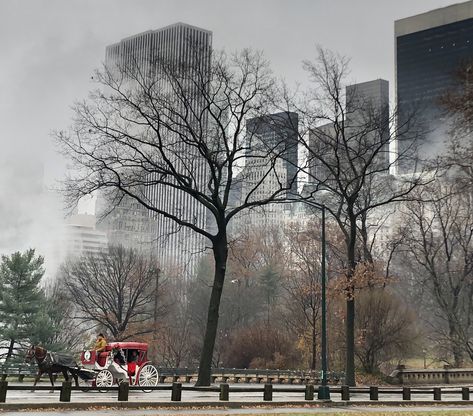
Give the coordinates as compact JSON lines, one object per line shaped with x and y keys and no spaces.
{"x":40,"y":354}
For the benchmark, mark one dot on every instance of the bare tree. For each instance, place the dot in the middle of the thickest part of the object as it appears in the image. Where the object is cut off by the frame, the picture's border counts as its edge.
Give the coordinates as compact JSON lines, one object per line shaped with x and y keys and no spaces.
{"x":114,"y":290}
{"x":302,"y":284}
{"x":347,"y":141}
{"x":386,"y":328}
{"x":437,"y":238}
{"x":182,"y":129}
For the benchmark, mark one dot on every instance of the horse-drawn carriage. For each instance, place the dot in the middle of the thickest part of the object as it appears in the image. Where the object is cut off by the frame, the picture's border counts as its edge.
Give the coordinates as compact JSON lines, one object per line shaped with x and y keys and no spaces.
{"x":121,"y":361}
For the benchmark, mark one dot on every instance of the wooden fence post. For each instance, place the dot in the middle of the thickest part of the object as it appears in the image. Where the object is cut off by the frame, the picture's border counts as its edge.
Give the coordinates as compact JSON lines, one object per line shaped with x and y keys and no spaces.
{"x":406,"y":393}
{"x":224,"y":391}
{"x":268,"y":392}
{"x":176,"y":392}
{"x":346,"y":393}
{"x":3,"y":390}
{"x":309,"y":392}
{"x":123,"y":390}
{"x":374,"y":393}
{"x":465,"y":393}
{"x":66,"y":388}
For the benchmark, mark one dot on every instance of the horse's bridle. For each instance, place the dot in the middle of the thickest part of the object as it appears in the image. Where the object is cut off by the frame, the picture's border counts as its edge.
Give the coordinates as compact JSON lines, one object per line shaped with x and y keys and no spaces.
{"x":37,"y":352}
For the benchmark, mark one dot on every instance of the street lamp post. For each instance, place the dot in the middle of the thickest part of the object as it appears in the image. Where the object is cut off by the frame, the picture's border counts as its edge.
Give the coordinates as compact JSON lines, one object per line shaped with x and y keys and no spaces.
{"x":324,"y":390}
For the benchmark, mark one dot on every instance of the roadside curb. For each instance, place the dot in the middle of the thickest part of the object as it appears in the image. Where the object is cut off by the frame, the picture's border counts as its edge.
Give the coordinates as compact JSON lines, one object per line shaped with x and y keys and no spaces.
{"x":225,"y":405}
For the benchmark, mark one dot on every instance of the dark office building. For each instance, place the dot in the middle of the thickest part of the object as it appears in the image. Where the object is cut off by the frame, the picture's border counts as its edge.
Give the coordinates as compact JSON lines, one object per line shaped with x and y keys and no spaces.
{"x":367,"y":107}
{"x":367,"y":117}
{"x":430,"y":47}
{"x":277,"y":132}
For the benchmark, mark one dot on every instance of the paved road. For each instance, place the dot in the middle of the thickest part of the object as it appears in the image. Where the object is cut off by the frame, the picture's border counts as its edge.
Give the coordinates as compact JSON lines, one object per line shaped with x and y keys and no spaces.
{"x":360,"y":410}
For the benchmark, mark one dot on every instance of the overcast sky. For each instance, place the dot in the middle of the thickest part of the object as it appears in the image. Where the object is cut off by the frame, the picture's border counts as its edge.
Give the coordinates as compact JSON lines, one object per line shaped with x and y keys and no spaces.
{"x":49,"y":48}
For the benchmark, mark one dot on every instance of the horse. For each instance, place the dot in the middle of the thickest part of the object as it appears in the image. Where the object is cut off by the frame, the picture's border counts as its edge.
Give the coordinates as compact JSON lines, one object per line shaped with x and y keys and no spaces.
{"x":51,"y":363}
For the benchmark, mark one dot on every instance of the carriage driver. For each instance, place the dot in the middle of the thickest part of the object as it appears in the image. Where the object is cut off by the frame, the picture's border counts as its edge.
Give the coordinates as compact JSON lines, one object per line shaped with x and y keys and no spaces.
{"x":100,"y":344}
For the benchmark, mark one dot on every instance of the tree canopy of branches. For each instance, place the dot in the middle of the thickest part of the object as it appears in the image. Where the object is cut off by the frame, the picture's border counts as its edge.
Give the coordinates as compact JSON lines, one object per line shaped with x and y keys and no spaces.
{"x":347,"y":141}
{"x":114,"y":290}
{"x":181,"y":130}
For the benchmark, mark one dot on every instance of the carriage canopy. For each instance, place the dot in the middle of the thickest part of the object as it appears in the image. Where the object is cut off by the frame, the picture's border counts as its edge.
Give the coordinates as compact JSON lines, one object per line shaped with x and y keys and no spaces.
{"x":140,"y":346}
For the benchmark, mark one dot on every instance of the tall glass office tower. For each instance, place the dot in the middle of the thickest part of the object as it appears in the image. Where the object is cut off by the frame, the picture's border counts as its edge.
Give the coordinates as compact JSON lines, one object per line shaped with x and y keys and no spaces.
{"x":429,"y":48}
{"x":177,"y":247}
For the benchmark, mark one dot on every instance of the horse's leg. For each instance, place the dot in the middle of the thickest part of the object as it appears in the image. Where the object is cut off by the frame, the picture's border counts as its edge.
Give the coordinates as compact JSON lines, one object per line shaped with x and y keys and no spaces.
{"x":38,"y":376}
{"x":50,"y":373}
{"x":74,"y":375}
{"x":65,"y":374}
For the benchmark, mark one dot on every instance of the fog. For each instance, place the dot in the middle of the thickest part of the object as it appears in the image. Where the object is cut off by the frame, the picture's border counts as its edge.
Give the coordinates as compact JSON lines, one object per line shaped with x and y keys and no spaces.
{"x":49,"y":49}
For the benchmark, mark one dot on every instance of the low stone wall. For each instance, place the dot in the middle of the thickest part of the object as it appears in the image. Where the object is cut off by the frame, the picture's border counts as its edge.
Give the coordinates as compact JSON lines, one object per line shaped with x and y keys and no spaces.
{"x":447,"y":375}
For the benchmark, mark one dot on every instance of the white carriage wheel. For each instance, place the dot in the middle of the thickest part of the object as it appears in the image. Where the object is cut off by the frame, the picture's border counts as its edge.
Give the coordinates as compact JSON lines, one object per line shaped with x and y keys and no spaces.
{"x":148,"y":376}
{"x":104,"y":379}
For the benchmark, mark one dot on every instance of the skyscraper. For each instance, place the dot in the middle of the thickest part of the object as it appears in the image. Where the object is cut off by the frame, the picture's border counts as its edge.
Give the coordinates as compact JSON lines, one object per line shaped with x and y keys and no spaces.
{"x":178,"y":43}
{"x":366,"y":117}
{"x":367,"y":107}
{"x":429,"y":49}
{"x":263,"y":174}
{"x":279,"y":132}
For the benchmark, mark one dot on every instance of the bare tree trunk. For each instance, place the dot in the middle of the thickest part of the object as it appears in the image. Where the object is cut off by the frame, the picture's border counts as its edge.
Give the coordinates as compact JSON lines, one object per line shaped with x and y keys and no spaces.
{"x":455,"y":345}
{"x":220,"y":250}
{"x":10,"y":350}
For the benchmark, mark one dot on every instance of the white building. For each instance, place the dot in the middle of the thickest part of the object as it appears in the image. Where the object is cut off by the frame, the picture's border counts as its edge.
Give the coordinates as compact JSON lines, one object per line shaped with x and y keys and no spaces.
{"x":82,"y":237}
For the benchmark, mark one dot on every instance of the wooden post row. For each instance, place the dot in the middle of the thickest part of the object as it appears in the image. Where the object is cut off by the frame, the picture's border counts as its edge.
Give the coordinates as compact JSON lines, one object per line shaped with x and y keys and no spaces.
{"x":65,"y":394}
{"x":406,"y":393}
{"x":268,"y":392}
{"x":465,"y":393}
{"x":374,"y":393}
{"x":224,"y":391}
{"x":309,"y":392}
{"x":176,"y":392}
{"x":123,"y":390}
{"x":3,"y":390}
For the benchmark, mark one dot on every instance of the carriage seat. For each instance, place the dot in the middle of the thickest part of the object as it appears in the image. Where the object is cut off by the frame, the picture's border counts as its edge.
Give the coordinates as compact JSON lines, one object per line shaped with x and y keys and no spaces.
{"x":131,"y":367}
{"x":102,"y":358}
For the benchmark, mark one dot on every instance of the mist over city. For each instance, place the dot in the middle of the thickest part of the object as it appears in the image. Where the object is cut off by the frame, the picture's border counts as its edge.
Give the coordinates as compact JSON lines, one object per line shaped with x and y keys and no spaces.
{"x":203,"y":194}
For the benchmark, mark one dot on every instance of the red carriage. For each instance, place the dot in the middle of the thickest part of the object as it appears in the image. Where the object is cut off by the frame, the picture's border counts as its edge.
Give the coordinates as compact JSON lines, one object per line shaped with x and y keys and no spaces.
{"x":121,"y":361}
